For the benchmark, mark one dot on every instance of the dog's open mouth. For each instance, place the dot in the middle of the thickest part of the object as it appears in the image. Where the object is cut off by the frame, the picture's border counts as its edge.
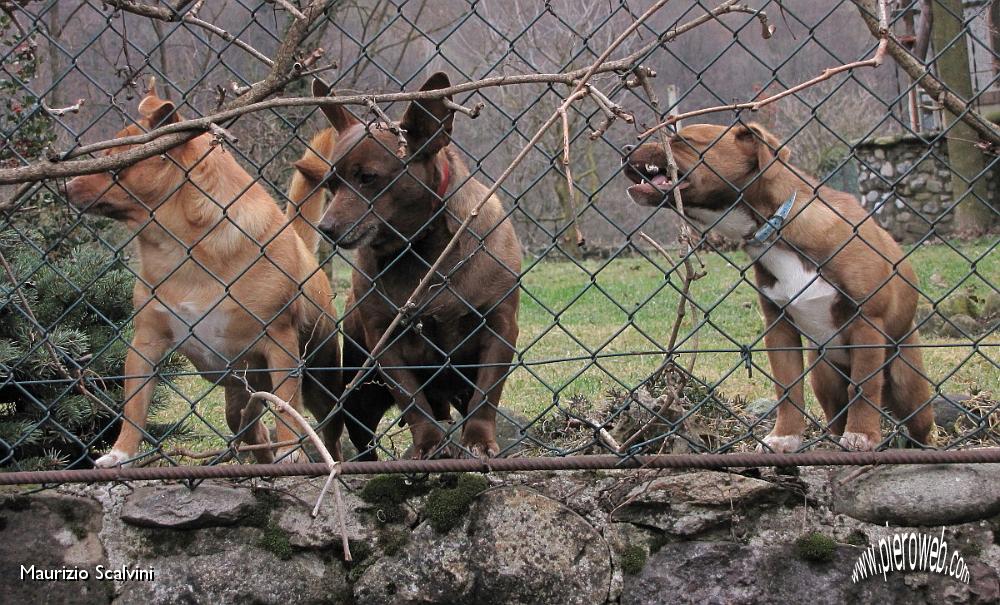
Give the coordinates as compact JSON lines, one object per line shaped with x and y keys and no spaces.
{"x":651,"y":183}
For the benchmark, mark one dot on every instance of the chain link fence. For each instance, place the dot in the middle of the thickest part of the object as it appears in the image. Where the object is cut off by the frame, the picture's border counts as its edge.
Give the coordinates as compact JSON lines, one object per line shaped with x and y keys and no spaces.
{"x":513,"y":269}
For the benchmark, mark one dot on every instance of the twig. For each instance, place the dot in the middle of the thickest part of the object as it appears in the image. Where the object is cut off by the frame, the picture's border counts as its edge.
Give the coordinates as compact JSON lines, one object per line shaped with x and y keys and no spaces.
{"x":331,"y":464}
{"x":425,"y":282}
{"x":288,"y":6}
{"x":222,"y":135}
{"x":754,"y":106}
{"x":308,"y":61}
{"x":173,"y":15}
{"x":472,"y":113}
{"x":920,"y":74}
{"x":612,"y":111}
{"x":385,"y":122}
{"x":61,"y":111}
{"x":202,"y":454}
{"x":567,"y":169}
{"x":251,"y":100}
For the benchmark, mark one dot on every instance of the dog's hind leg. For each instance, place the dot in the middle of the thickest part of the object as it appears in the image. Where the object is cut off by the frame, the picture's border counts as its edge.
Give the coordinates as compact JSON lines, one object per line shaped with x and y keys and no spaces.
{"x":868,"y":362}
{"x":908,"y":391}
{"x":238,"y":410}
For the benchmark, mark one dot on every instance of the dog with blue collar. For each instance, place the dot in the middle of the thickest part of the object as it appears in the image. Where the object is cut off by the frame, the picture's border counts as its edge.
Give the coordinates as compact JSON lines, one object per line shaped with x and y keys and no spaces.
{"x":831,"y":282}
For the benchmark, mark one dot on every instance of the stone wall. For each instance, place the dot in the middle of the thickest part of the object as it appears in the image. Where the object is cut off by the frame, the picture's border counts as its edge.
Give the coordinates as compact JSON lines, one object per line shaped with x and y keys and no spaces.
{"x":908,"y":185}
{"x":624,"y":537}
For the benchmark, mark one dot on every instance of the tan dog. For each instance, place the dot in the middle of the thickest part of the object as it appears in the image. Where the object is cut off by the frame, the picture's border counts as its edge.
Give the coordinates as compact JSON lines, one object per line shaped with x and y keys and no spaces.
{"x":221,"y":280}
{"x":816,"y":277}
{"x":391,"y":211}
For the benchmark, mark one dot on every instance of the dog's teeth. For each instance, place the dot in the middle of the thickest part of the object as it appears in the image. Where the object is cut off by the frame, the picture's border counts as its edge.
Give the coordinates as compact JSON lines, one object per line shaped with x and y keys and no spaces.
{"x":652,"y":169}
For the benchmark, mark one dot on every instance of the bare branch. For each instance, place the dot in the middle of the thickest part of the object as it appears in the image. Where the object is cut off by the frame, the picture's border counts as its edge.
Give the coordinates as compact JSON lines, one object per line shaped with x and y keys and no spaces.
{"x":173,"y":14}
{"x":280,"y":74}
{"x":288,"y":6}
{"x":222,"y":135}
{"x":472,"y":113}
{"x":251,"y":100}
{"x":875,"y":61}
{"x":285,"y":408}
{"x":61,"y":111}
{"x":385,"y":122}
{"x":920,"y":74}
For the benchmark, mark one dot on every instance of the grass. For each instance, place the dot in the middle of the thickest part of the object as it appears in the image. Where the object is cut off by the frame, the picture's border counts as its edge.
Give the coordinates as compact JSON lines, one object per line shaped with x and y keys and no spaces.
{"x":601,"y":324}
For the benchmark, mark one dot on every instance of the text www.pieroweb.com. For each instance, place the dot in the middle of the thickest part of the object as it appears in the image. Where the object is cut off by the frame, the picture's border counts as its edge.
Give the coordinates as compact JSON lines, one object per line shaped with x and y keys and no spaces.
{"x":912,"y":551}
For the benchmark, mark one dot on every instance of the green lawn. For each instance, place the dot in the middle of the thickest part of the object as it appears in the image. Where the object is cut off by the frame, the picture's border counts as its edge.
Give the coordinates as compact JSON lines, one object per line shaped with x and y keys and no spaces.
{"x":601,"y":324}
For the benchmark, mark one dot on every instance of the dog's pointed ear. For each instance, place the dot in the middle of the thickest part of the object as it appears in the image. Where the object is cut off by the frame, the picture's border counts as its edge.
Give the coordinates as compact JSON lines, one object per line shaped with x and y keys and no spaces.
{"x":158,"y":111}
{"x":320,"y":88}
{"x":766,"y":146}
{"x":428,"y":123}
{"x":313,"y":168}
{"x":339,"y":117}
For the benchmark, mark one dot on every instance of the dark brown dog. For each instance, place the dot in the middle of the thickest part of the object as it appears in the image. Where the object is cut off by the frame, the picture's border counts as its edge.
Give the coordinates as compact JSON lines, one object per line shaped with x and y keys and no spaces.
{"x":391,"y":211}
{"x":830,"y":273}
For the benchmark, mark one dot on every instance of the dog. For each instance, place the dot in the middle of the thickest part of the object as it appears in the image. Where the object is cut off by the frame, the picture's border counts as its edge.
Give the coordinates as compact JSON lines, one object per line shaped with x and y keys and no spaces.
{"x":824,"y":270}
{"x":222,"y":279}
{"x":399,"y":215}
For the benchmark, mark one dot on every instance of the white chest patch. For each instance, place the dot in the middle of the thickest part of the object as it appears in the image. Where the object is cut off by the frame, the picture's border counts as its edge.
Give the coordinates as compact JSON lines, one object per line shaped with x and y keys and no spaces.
{"x":806,"y":298}
{"x":201,"y":333}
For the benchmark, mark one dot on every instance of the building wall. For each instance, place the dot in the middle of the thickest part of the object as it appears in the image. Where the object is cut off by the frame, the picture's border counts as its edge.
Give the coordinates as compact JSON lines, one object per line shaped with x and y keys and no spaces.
{"x":906,"y":183}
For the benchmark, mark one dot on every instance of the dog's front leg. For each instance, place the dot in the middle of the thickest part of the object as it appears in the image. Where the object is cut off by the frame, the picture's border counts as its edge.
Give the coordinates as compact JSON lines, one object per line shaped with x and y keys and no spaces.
{"x":149,"y":347}
{"x":480,"y":428}
{"x":784,"y":352}
{"x":281,"y":353}
{"x":408,"y":394}
{"x":865,"y":392}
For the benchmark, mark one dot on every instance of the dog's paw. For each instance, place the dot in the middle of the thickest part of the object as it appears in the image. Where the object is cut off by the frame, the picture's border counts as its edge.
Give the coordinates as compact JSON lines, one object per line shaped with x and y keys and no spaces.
{"x":858,"y":442}
{"x":482,"y":449}
{"x":289,"y":454}
{"x":428,"y":439}
{"x":479,"y":438}
{"x":779,"y":444}
{"x":114,"y":458}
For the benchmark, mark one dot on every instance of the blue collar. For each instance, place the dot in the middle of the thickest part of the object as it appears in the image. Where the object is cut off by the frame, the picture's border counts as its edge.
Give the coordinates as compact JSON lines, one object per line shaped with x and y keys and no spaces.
{"x":774,"y":223}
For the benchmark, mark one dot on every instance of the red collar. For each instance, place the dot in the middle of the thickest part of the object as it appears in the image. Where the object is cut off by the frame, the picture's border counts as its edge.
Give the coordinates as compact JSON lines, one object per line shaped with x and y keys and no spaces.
{"x":442,"y":188}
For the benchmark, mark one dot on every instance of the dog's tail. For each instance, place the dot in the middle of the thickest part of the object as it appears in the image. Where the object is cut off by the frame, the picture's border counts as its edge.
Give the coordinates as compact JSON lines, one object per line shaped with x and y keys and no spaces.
{"x":306,"y":195}
{"x":908,"y":390}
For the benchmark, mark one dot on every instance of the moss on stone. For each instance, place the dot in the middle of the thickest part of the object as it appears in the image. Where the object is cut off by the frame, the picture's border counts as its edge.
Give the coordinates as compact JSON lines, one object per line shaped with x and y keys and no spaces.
{"x":167,"y":542}
{"x":392,"y":541}
{"x":816,"y":547}
{"x":633,"y":559}
{"x":446,"y":506}
{"x":972,"y":550}
{"x":657,"y":542}
{"x":260,"y":514}
{"x":276,"y":541}
{"x":387,"y":493}
{"x":857,"y":538}
{"x":16,"y":503}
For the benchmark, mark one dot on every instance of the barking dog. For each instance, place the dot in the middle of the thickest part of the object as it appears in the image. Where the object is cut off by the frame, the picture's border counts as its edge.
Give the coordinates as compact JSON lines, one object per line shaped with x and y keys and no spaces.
{"x":221,"y":280}
{"x":399,"y":214}
{"x":824,"y":270}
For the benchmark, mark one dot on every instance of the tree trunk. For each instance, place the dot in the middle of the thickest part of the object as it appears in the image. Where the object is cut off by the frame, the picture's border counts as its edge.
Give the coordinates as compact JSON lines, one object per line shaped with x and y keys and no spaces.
{"x":973,"y":214}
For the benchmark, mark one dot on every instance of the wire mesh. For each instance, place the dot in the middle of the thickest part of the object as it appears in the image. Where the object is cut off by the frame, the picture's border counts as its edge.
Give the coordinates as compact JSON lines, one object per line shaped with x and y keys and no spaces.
{"x":580,"y":313}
